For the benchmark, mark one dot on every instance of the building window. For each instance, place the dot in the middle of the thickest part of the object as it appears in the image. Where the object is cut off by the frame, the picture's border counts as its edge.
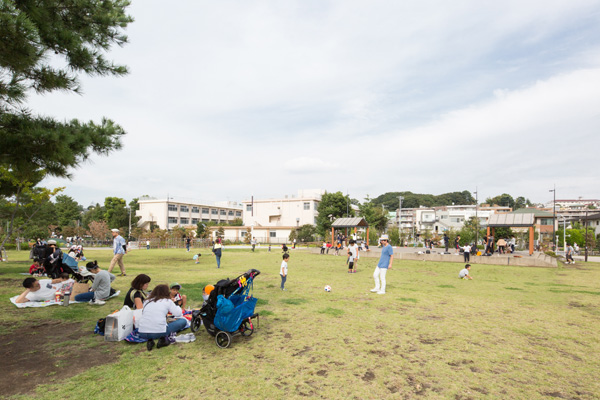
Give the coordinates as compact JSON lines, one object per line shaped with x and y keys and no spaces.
{"x":214,"y":211}
{"x":205,"y":220}
{"x":194,"y":221}
{"x":172,"y":207}
{"x":185,"y":221}
{"x":184,"y":209}
{"x":546,"y":221}
{"x":307,"y":206}
{"x":272,"y":234}
{"x":244,"y":233}
{"x":230,"y":212}
{"x":195,"y":210}
{"x":238,"y":213}
{"x":248,"y":207}
{"x":172,"y":220}
{"x":223,"y":212}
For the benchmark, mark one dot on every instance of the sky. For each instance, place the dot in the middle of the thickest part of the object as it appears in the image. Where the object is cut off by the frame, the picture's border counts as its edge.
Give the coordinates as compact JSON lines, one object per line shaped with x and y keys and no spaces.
{"x":232,"y":99}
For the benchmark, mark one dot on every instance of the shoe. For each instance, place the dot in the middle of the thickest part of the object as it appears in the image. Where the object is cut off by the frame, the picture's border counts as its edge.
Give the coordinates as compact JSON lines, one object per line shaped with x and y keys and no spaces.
{"x":122,"y":274}
{"x":375,"y":290}
{"x":150,"y":344}
{"x":380,"y":292}
{"x":97,"y":302}
{"x":162,"y":342}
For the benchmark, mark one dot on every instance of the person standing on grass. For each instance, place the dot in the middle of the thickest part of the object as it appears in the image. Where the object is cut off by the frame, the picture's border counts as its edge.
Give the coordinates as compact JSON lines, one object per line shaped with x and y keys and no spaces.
{"x":119,"y":247}
{"x":253,"y":243}
{"x":467,"y":252}
{"x":464,"y":273}
{"x":217,"y":247}
{"x":385,"y":263}
{"x":283,"y":270}
{"x":352,"y":256}
{"x":569,"y":255}
{"x":446,"y":241}
{"x":188,"y":242}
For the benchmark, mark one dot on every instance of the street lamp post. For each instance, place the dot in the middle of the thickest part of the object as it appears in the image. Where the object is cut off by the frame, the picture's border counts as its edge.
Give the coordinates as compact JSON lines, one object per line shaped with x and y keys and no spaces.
{"x":553,"y":218}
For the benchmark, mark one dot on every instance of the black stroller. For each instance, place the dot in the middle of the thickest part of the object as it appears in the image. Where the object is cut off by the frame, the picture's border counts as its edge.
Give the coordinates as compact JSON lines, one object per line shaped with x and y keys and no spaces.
{"x":229,"y":310}
{"x":57,"y":262}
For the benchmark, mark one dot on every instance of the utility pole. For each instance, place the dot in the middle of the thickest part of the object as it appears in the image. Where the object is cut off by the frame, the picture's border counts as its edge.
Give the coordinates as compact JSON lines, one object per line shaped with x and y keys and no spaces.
{"x":554,"y":218}
{"x":400,"y":198}
{"x":586,"y":235}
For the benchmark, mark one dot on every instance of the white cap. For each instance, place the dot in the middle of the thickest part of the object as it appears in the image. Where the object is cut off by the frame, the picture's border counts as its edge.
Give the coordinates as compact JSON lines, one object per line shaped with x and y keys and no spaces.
{"x":384,"y":237}
{"x":115,"y":230}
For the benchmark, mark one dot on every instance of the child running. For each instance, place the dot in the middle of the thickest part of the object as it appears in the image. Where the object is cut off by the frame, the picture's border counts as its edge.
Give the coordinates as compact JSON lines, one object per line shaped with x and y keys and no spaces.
{"x":283,"y":271}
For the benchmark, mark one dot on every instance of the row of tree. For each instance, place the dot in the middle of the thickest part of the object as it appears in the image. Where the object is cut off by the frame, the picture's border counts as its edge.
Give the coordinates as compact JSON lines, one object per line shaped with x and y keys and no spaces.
{"x":391,"y":200}
{"x":65,"y":217}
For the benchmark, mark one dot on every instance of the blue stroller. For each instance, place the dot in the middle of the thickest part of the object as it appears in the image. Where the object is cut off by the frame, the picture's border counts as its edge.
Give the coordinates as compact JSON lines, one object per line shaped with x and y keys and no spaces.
{"x":229,"y":310}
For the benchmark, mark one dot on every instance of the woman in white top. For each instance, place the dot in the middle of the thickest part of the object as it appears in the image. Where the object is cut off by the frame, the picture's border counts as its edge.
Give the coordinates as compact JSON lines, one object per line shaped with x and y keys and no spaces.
{"x":153,"y":324}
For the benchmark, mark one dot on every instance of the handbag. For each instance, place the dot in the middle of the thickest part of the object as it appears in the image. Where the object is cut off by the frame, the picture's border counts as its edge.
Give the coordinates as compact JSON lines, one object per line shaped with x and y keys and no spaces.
{"x":118,"y":325}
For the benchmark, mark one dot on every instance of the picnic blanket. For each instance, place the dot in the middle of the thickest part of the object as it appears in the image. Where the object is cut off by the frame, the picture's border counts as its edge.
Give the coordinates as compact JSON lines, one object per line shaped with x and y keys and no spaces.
{"x":49,"y":302}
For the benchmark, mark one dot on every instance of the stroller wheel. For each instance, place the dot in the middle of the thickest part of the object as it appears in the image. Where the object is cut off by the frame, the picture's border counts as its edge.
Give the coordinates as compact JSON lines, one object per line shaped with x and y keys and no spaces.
{"x":223,"y":339}
{"x":196,"y":323}
{"x":246,"y":329}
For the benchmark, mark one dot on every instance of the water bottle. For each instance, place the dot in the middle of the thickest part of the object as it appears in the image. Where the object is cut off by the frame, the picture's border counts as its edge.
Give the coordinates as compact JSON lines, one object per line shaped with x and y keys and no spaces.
{"x":67,"y":299}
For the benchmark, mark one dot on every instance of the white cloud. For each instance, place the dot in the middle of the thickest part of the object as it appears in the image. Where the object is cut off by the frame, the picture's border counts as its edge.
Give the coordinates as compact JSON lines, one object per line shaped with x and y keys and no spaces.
{"x":230,"y":99}
{"x":308,"y":165}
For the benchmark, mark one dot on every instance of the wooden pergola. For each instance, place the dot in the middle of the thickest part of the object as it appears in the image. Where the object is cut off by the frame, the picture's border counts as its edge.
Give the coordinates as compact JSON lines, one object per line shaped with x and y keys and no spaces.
{"x":523,"y":220}
{"x":349,"y":223}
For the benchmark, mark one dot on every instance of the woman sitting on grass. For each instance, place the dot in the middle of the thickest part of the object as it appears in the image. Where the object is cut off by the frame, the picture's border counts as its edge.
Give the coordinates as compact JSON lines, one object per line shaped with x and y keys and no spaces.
{"x":134,"y":299}
{"x":153,"y":324}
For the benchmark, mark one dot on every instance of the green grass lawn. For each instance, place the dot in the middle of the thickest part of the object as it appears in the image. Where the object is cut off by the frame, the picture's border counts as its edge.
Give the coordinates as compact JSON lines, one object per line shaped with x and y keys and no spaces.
{"x":511,"y":333}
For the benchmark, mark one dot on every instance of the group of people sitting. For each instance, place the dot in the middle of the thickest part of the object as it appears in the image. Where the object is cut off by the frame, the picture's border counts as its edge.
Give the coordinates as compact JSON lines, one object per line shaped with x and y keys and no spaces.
{"x":162,"y":302}
{"x":156,"y":305}
{"x":45,"y":289}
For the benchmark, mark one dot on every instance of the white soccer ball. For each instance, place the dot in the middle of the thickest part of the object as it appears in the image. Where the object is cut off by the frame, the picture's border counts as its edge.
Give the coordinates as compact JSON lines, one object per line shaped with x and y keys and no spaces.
{"x":327,"y":288}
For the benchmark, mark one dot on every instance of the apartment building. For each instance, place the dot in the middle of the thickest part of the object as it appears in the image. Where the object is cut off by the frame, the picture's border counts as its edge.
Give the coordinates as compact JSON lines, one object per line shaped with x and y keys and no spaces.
{"x":171,"y":212}
{"x":289,"y":211}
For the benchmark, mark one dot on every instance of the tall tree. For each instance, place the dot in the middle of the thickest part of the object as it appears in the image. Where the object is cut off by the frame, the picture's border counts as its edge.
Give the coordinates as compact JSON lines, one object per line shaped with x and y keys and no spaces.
{"x":505,"y":200}
{"x":115,"y":212}
{"x":67,"y":210}
{"x":44,"y":46}
{"x":332,"y":206}
{"x":375,"y":215}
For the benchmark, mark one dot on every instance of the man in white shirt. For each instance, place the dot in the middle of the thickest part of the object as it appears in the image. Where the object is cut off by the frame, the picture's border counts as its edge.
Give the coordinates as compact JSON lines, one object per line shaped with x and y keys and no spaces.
{"x":42,"y":290}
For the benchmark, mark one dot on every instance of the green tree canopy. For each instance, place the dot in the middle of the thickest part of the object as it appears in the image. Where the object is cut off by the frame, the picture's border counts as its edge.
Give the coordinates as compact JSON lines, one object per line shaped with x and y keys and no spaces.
{"x":67,"y":210}
{"x":44,"y":46}
{"x":505,"y":200}
{"x":375,"y":215}
{"x":115,"y":212}
{"x":414,"y":200}
{"x":332,"y":205}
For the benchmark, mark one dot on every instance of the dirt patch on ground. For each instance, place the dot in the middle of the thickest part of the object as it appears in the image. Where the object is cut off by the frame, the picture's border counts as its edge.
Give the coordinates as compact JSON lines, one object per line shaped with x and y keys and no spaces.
{"x":368,"y":376}
{"x":47,"y":354}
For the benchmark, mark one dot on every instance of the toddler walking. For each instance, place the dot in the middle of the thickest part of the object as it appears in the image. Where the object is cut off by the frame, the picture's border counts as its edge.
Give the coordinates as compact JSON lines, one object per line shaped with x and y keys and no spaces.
{"x":283,"y":271}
